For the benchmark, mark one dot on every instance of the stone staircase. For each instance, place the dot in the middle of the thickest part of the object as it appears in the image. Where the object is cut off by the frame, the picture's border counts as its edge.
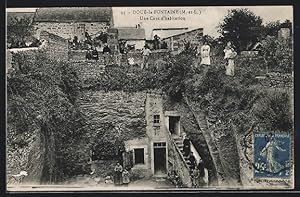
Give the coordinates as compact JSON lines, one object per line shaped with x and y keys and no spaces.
{"x":179,"y":143}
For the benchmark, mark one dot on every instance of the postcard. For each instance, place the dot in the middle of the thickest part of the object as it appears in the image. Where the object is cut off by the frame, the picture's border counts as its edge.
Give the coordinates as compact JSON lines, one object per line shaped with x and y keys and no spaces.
{"x":150,"y":98}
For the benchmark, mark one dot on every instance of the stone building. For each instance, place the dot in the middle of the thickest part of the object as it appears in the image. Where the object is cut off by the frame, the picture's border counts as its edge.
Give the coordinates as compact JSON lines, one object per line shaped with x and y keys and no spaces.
{"x":134,"y":36}
{"x":73,"y":21}
{"x":152,"y":136}
{"x":167,"y":32}
{"x":176,"y":42}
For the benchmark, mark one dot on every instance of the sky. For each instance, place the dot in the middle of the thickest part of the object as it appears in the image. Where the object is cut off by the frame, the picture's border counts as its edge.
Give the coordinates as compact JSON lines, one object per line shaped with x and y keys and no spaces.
{"x":191,"y":17}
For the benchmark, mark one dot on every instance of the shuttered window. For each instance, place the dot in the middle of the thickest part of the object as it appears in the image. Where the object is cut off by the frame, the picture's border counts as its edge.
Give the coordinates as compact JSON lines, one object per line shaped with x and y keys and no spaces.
{"x":139,"y":156}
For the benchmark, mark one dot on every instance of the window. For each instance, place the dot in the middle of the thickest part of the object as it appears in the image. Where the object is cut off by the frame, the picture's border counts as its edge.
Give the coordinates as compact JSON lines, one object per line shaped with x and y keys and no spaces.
{"x":156,"y":120}
{"x":139,"y":156}
{"x":159,"y":144}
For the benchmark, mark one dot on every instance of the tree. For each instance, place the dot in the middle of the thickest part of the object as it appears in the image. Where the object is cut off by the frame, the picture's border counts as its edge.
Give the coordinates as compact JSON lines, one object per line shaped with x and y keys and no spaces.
{"x":242,"y":27}
{"x":18,"y":30}
{"x":278,"y":56}
{"x":273,"y":27}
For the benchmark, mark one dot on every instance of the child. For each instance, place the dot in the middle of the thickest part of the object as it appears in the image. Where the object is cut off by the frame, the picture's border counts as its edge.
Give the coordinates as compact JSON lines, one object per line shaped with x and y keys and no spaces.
{"x":125,"y":177}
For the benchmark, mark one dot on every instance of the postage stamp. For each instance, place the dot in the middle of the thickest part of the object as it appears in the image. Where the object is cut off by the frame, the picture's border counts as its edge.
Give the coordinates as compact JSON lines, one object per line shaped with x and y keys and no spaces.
{"x":272,"y":155}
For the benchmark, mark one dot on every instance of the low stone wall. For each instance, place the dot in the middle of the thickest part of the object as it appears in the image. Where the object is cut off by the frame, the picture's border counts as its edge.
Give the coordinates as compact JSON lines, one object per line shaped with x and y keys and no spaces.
{"x":80,"y":55}
{"x":278,"y":80}
{"x":56,"y":47}
{"x":249,"y":53}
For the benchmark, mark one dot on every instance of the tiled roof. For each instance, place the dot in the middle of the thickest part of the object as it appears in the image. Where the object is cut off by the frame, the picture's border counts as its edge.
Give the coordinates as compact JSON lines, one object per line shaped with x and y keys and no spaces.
{"x":131,"y":33}
{"x":185,"y":32}
{"x":74,"y":14}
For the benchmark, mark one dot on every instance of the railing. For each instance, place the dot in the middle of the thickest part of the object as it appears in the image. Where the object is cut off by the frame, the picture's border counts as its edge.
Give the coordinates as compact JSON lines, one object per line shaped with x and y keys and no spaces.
{"x":185,"y":169}
{"x":177,"y":149}
{"x":195,"y":153}
{"x":194,"y":150}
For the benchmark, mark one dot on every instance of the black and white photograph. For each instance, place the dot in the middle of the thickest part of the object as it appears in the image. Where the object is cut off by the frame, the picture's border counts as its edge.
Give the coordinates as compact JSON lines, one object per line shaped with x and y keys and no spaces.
{"x":150,"y":98}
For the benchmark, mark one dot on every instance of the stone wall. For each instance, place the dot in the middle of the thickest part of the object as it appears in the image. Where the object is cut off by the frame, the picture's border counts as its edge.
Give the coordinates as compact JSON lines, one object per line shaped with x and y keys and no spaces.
{"x":277,"y":80}
{"x":80,"y":55}
{"x":69,"y":30}
{"x":158,"y":132}
{"x":154,"y":103}
{"x":56,"y":47}
{"x":249,"y":54}
{"x":140,"y":170}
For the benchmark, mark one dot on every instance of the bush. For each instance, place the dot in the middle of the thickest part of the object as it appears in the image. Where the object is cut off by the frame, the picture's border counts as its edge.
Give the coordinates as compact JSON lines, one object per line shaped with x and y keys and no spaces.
{"x":278,"y":55}
{"x":41,"y":96}
{"x":169,"y":77}
{"x":273,"y":111}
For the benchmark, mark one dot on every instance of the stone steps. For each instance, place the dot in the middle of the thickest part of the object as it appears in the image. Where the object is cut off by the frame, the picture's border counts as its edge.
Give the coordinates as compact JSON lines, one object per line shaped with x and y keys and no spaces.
{"x":179,"y":143}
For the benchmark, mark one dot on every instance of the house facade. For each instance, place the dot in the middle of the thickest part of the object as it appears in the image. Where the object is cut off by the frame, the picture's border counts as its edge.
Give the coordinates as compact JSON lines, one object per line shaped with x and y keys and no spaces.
{"x":134,"y":36}
{"x":160,"y":151}
{"x":176,"y":42}
{"x":71,"y":21}
{"x":151,"y":136}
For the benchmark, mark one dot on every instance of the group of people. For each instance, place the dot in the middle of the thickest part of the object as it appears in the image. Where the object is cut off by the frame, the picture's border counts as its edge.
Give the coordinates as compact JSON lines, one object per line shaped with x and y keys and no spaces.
{"x":93,"y":54}
{"x":198,"y":172}
{"x":203,"y":54}
{"x":121,"y":176}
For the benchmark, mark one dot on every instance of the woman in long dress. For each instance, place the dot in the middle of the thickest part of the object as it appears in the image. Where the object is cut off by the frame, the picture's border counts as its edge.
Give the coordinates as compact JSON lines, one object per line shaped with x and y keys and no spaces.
{"x":118,"y":174}
{"x":203,"y":174}
{"x":230,"y":54}
{"x":125,"y":177}
{"x":204,"y":51}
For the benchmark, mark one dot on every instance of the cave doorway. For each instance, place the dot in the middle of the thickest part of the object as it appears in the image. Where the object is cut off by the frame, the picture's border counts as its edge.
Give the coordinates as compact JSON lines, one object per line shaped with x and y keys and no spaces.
{"x":174,"y":125}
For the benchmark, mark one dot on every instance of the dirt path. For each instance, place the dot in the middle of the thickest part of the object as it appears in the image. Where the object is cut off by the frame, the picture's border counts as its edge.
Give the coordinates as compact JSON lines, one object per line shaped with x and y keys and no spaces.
{"x":95,"y":184}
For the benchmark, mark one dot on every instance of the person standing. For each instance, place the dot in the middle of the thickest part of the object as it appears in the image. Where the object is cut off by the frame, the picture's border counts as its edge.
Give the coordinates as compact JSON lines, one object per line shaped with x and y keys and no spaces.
{"x":95,"y":55}
{"x":205,"y":57}
{"x":192,"y":160}
{"x":120,"y":154}
{"x":156,"y":42}
{"x":230,"y":54}
{"x":186,"y":146}
{"x":93,"y":158}
{"x":106,"y":53}
{"x":125,"y":177}
{"x":203,"y":174}
{"x":118,"y":174}
{"x":195,"y":177}
{"x":146,"y":53}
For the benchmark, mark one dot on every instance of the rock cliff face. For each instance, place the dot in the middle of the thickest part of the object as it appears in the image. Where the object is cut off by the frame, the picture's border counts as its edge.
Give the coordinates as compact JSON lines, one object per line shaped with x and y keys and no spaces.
{"x":192,"y":129}
{"x":218,"y":150}
{"x":115,"y":114}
